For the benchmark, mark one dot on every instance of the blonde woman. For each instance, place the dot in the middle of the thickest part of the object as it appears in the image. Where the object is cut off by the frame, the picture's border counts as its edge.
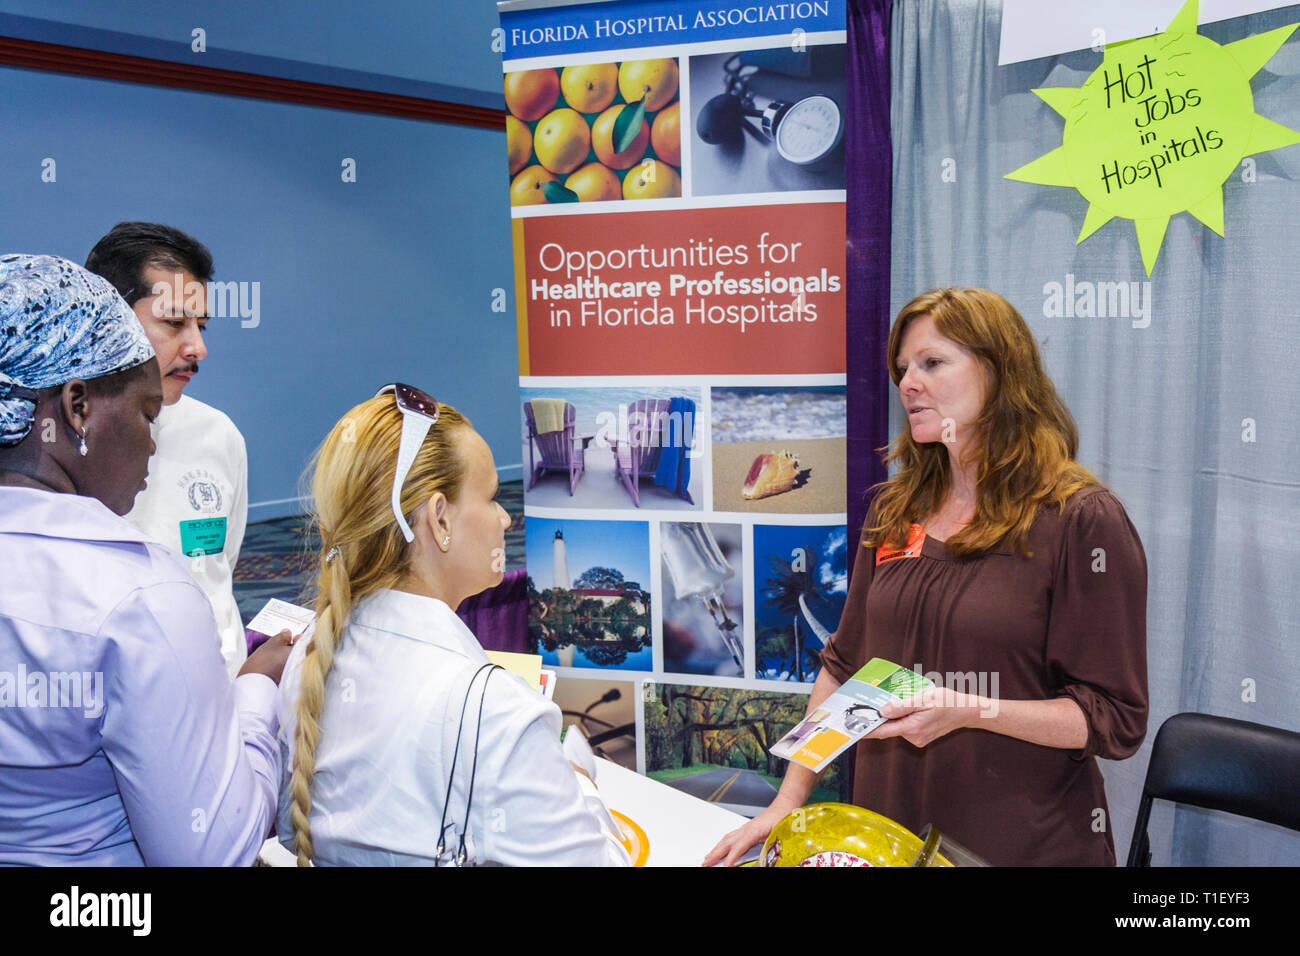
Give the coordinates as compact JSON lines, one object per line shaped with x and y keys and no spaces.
{"x":402,"y":746}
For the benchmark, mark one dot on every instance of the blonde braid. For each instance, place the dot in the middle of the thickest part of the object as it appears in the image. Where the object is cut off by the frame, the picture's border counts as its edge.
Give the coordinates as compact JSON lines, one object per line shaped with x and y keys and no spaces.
{"x":332,"y":609}
{"x":352,"y":478}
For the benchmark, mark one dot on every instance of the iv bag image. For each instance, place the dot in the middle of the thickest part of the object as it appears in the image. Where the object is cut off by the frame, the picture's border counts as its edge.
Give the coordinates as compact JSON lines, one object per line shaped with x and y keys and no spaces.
{"x":703,"y":630}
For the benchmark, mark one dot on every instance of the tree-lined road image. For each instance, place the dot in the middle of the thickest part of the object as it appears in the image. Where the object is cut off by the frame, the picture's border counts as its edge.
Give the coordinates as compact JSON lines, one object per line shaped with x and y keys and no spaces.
{"x":714,"y":743}
{"x":728,"y":786}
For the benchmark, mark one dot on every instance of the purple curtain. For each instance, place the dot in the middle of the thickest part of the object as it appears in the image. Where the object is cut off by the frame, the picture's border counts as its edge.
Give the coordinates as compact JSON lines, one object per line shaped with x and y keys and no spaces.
{"x":868,"y":160}
{"x":499,"y":616}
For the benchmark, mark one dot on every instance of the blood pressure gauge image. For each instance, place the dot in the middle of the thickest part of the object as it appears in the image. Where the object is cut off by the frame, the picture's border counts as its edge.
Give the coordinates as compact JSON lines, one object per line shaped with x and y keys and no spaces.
{"x":806,"y":127}
{"x":806,"y":132}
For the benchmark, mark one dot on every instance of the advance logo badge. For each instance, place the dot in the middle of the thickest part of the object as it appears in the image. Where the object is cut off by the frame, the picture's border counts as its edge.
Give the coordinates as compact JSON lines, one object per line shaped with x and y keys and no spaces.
{"x":204,"y":535}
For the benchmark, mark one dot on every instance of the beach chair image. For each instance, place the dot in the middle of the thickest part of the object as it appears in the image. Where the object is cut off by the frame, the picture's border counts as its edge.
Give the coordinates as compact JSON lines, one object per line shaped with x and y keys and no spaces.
{"x":550,"y":435}
{"x":657,"y":446}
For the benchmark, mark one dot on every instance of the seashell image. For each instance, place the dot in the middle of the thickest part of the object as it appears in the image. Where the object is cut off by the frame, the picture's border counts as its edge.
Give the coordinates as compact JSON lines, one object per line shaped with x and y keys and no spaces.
{"x":747,"y":426}
{"x":770,"y":475}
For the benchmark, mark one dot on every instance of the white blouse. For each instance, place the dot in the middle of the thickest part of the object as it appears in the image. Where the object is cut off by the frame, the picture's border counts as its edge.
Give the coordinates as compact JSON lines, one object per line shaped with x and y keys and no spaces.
{"x":388,"y":730}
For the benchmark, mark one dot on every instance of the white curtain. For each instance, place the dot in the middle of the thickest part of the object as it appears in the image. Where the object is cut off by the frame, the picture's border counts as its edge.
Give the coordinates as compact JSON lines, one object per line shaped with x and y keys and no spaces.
{"x":1187,"y":404}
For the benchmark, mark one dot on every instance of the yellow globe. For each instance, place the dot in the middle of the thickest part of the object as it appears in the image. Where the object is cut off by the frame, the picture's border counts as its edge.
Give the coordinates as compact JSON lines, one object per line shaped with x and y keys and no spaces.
{"x":838,"y":834}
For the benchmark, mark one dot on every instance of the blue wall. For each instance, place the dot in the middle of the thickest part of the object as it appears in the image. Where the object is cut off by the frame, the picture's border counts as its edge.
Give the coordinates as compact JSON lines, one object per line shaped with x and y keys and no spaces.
{"x":388,"y":278}
{"x":441,"y":42}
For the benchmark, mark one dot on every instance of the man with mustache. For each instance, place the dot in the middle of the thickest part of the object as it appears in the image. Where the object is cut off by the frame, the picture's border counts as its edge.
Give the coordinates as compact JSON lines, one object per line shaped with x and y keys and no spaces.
{"x":196,"y":501}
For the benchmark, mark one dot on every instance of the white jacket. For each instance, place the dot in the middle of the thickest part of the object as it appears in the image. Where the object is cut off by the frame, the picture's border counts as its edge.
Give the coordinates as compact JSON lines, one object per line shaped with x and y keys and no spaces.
{"x":393,"y":704}
{"x":199,"y":475}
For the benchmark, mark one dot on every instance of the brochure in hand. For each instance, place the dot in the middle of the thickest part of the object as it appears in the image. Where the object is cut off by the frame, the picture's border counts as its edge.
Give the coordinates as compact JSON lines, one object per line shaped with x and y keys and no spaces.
{"x":849,"y":714}
{"x":277,"y":615}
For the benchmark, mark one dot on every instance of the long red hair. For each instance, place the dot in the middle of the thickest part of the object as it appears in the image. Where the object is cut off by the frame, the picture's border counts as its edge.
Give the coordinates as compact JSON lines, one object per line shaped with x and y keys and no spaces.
{"x":1027,"y":438}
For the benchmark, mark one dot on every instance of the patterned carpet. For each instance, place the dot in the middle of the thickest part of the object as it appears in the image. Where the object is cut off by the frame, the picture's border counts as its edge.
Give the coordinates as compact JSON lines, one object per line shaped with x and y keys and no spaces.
{"x":279,"y":557}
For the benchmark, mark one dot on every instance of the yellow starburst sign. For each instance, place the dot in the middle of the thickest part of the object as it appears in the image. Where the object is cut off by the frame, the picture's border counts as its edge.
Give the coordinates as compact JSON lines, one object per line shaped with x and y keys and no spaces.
{"x":1158,"y":127}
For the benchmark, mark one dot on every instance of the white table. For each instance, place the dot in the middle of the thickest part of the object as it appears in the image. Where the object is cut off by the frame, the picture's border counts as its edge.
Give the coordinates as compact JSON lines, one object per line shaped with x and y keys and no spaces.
{"x":680,"y":828}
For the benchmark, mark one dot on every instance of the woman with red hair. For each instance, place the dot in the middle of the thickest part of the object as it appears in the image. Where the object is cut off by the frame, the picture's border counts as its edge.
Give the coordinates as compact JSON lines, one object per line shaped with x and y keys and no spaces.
{"x":994,"y":562}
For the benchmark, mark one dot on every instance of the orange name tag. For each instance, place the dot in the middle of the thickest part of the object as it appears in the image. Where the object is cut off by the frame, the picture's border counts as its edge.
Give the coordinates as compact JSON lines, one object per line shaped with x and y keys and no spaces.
{"x":915,"y":540}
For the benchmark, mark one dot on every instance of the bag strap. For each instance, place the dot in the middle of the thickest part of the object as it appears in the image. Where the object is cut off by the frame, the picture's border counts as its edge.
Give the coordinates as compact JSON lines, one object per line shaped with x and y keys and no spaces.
{"x":461,"y":852}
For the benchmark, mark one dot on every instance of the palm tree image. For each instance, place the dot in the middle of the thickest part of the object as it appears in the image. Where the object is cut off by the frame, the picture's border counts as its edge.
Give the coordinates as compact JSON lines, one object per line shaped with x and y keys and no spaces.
{"x":787,"y":590}
{"x":802,"y":593}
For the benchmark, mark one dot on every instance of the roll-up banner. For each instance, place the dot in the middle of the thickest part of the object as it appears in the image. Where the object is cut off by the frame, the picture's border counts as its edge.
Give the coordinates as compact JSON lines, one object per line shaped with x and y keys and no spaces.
{"x":677,"y":189}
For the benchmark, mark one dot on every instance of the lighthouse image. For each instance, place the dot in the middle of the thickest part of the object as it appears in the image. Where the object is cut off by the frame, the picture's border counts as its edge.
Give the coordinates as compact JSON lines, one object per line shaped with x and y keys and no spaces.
{"x":560,"y":563}
{"x":587,"y":606}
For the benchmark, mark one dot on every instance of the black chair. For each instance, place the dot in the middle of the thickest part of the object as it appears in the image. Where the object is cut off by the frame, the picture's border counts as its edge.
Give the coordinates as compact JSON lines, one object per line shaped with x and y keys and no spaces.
{"x":1221,"y":764}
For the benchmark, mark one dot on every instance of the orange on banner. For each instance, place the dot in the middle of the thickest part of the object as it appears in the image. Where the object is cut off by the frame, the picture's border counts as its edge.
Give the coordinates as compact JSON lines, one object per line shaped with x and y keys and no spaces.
{"x":748,"y":290}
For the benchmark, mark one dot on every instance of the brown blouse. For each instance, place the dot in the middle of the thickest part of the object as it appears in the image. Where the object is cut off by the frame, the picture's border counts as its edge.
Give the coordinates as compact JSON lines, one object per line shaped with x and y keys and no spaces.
{"x":1068,"y":621}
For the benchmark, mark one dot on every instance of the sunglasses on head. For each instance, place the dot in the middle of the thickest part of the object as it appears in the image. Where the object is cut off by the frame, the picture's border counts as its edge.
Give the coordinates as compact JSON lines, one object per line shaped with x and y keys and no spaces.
{"x":419,"y":413}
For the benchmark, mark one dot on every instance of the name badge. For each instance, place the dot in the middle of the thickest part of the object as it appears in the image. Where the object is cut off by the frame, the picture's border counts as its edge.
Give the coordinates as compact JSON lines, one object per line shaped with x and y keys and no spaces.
{"x":203,"y":536}
{"x":912,"y":549}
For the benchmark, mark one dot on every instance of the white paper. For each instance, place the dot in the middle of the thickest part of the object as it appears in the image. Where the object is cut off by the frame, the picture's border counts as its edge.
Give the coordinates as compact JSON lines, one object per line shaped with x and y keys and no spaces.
{"x":1032,"y":28}
{"x":278,"y":615}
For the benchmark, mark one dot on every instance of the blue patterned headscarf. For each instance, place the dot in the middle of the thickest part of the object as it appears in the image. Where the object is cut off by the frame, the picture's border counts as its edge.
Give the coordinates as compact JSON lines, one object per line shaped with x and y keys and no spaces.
{"x":58,"y":322}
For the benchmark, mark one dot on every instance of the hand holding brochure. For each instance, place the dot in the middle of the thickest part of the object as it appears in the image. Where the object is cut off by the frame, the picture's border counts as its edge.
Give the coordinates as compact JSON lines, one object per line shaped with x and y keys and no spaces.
{"x":277,"y":615}
{"x":849,"y":714}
